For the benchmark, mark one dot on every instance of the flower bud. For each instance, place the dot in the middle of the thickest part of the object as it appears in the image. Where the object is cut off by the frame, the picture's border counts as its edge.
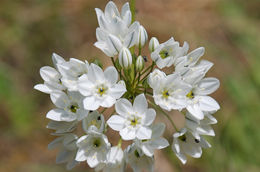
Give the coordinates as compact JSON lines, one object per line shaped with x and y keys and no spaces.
{"x":125,"y":58}
{"x":153,"y":44}
{"x":155,"y":77}
{"x":139,"y":63}
{"x":122,"y":82}
{"x":142,"y":37}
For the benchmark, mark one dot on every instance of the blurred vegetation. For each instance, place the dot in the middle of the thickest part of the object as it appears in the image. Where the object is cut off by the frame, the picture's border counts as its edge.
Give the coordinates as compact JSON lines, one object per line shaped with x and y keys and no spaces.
{"x":30,"y":30}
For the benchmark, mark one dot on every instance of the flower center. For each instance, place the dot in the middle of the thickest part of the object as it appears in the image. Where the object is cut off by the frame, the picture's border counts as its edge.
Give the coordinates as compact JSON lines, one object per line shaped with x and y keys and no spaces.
{"x":165,"y":94}
{"x":137,"y":154}
{"x":183,"y":138}
{"x":134,"y":120}
{"x":102,"y":90}
{"x":164,"y":54}
{"x":190,"y":95}
{"x":96,"y":143}
{"x":73,"y":108}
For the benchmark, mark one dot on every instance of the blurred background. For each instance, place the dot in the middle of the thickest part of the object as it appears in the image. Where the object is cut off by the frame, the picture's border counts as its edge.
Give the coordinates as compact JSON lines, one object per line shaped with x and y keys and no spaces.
{"x":31,"y":30}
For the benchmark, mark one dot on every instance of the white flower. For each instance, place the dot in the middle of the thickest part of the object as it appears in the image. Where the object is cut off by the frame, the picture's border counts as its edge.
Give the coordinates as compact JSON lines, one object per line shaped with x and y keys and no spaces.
{"x":125,"y":58}
{"x":153,"y":44}
{"x":156,"y":142}
{"x":142,"y":37}
{"x":68,"y":149}
{"x":71,"y":71}
{"x":155,"y":77}
{"x":133,"y":121}
{"x":94,"y":119}
{"x":115,"y":161}
{"x":115,"y":30}
{"x":69,"y":107}
{"x":166,"y":53}
{"x":137,"y":159}
{"x":184,"y":143}
{"x":100,"y":88}
{"x":198,"y":99}
{"x":93,"y":148}
{"x":51,"y":77}
{"x":170,"y":92}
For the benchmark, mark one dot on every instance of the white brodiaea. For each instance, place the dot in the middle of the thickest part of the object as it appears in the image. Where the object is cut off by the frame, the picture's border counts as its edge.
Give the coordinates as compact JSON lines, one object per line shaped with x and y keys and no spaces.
{"x":133,"y":121}
{"x":93,"y":148}
{"x":137,"y":159}
{"x":69,"y":107}
{"x":170,"y":92}
{"x":100,"y":88}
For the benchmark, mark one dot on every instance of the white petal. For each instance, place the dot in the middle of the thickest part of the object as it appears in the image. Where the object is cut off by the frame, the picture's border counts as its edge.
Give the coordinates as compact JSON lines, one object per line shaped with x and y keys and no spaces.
{"x":84,"y":85}
{"x":140,"y":104}
{"x":108,"y":101}
{"x":90,"y":103}
{"x":160,"y":143}
{"x":95,"y":73}
{"x":123,"y":107}
{"x":158,"y":130}
{"x":116,"y":122}
{"x":149,"y":117}
{"x":56,"y":59}
{"x":195,"y":111}
{"x":144,"y":133}
{"x":48,"y":73}
{"x":81,"y":155}
{"x":207,"y":86}
{"x":43,"y":88}
{"x":60,"y":99}
{"x":114,"y":42}
{"x":127,"y":134}
{"x":117,"y":90}
{"x":208,"y":104}
{"x":111,"y":75}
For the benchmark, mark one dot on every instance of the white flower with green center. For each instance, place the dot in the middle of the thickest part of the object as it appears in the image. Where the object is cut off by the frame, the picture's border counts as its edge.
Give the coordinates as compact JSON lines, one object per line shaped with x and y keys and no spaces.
{"x":170,"y":92}
{"x":68,"y":149}
{"x":133,"y":121}
{"x":71,"y":71}
{"x":115,"y":30}
{"x":69,"y":107}
{"x":51,"y":77}
{"x":93,"y":148}
{"x":184,"y":143}
{"x":100,"y":88}
{"x":156,"y":142}
{"x":137,"y":159}
{"x":166,"y":53}
{"x":94,"y":119}
{"x":198,"y":99}
{"x":115,"y":161}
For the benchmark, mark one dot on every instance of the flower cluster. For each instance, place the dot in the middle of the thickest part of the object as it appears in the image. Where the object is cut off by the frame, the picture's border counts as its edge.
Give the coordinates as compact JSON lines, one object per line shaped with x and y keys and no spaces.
{"x":82,"y":92}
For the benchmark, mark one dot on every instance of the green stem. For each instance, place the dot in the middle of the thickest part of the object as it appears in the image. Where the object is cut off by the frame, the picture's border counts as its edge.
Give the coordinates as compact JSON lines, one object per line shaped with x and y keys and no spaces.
{"x":164,"y":113}
{"x":132,"y":8}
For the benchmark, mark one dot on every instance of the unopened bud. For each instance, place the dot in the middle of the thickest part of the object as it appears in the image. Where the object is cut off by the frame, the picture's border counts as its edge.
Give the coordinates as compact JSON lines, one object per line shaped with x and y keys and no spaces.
{"x":153,"y":44}
{"x":139,"y":63}
{"x":142,"y":37}
{"x":125,"y":58}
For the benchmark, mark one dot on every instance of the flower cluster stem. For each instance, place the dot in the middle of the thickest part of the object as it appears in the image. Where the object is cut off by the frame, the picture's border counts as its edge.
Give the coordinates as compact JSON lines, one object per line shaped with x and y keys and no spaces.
{"x":164,"y":113}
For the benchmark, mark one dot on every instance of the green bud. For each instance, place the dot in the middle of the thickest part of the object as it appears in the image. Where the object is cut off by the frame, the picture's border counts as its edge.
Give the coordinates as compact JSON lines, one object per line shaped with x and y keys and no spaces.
{"x":139,"y":63}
